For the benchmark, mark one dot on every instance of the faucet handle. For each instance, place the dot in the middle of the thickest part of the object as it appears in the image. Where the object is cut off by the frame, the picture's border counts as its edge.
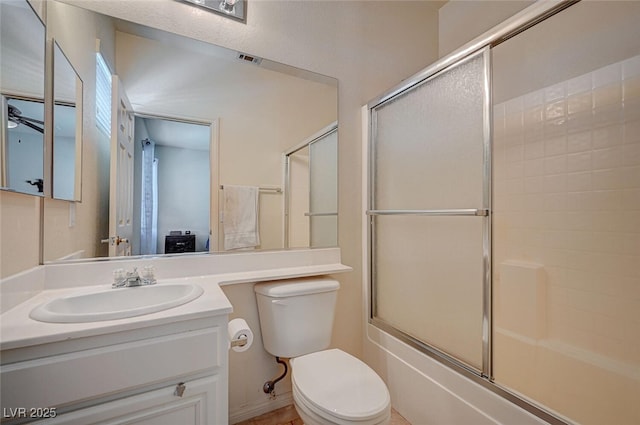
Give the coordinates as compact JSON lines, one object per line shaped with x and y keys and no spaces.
{"x":119,"y":277}
{"x":148,"y":275}
{"x":148,"y":271}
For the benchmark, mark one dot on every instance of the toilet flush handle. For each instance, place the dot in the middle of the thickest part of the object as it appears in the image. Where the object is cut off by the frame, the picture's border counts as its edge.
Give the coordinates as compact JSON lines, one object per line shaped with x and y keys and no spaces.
{"x":279,"y":302}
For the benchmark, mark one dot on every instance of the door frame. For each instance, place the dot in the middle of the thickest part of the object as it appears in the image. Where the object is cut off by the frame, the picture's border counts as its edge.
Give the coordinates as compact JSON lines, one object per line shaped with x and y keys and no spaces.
{"x":214,"y":168}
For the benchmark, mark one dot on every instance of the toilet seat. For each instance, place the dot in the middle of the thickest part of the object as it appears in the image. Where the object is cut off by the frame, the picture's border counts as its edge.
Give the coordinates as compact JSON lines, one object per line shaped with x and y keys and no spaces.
{"x":339,"y":388}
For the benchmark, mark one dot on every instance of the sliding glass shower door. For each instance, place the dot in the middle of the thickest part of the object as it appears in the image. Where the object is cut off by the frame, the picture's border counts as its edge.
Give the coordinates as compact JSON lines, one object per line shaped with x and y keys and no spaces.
{"x":311,"y":191}
{"x":560,"y":272}
{"x":429,"y":212}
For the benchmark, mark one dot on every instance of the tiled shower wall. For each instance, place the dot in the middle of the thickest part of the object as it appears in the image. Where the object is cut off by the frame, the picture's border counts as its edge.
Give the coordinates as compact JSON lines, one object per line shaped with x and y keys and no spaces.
{"x":566,"y":170}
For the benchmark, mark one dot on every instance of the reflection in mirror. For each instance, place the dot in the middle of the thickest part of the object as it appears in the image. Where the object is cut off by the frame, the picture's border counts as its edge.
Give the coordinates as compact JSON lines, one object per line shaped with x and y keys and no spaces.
{"x":323,"y":190}
{"x":24,"y":145}
{"x":22,"y":50}
{"x":171,"y":198}
{"x":311,"y":191}
{"x":261,"y":109}
{"x":67,"y":128}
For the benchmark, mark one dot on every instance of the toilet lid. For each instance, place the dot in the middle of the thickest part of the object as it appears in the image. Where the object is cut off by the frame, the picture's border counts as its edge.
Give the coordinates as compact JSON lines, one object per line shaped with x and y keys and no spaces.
{"x":340,"y":385}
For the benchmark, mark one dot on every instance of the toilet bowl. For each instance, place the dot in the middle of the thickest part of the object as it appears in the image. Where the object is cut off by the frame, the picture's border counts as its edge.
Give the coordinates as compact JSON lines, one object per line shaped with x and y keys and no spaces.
{"x":329,"y":386}
{"x":334,"y":387}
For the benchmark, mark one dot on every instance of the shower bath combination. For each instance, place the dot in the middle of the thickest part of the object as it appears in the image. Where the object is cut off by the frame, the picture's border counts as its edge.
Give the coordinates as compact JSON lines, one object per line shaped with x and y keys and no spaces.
{"x":499,"y":273}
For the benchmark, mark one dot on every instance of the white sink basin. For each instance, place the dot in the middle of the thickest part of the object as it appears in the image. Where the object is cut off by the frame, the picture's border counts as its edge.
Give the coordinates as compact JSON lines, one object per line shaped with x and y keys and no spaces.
{"x":116,"y":303}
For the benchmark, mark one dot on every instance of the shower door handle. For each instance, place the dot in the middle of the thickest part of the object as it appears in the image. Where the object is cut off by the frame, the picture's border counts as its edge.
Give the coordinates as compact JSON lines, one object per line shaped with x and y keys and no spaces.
{"x":320,"y":214}
{"x":477,"y":212}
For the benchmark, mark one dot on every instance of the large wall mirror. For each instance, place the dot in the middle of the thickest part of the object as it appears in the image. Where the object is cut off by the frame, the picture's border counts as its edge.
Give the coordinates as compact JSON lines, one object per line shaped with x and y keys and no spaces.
{"x":22,"y":70}
{"x":251,"y":111}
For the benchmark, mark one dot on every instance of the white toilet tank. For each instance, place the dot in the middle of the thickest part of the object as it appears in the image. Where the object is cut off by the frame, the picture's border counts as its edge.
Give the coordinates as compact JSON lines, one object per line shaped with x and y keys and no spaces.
{"x":296,"y":315}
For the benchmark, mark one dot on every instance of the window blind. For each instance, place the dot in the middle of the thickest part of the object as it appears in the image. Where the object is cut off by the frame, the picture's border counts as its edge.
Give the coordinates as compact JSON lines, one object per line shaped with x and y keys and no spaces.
{"x":103,"y":95}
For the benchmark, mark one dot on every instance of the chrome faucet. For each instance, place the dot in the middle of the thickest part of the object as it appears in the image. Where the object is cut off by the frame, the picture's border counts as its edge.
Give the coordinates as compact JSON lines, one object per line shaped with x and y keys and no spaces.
{"x":124,"y":279}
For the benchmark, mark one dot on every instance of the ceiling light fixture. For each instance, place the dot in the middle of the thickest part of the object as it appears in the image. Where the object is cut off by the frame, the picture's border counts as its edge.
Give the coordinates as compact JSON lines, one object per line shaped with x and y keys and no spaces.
{"x":228,"y":6}
{"x":234,"y":9}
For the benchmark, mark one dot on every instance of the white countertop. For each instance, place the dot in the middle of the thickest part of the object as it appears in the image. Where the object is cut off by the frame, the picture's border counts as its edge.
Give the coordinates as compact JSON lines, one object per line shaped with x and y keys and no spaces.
{"x":18,"y":330}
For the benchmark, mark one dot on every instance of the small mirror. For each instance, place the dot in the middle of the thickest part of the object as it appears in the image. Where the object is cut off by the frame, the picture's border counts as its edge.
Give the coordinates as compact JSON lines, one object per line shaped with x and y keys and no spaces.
{"x":67,"y":128}
{"x":22,"y":51}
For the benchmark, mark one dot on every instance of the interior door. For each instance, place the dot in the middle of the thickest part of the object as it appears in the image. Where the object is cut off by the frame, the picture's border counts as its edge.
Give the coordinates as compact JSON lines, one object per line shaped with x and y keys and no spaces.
{"x":121,"y":172}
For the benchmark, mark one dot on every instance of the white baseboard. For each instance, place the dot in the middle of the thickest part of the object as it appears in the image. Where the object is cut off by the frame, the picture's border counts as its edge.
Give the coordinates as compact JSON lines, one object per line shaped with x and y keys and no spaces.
{"x":248,"y":412}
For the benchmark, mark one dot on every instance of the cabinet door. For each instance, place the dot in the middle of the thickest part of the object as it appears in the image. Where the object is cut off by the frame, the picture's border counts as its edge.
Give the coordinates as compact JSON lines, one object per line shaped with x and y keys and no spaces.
{"x":198,"y":406}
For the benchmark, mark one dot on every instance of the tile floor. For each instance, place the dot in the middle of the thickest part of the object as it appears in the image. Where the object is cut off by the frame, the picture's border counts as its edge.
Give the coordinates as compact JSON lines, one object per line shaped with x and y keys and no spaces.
{"x":288,"y":416}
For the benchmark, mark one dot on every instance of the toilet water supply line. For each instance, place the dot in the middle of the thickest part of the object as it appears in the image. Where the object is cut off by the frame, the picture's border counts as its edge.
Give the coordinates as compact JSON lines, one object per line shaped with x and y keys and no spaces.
{"x":270,"y":386}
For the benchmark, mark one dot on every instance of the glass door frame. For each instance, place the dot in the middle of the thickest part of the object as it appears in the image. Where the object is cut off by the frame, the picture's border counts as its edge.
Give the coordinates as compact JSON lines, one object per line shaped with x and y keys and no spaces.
{"x":320,"y":135}
{"x":484,"y":212}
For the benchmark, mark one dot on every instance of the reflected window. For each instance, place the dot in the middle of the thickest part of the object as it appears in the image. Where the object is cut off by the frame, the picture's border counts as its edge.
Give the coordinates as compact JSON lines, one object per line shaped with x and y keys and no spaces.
{"x":103,"y":95}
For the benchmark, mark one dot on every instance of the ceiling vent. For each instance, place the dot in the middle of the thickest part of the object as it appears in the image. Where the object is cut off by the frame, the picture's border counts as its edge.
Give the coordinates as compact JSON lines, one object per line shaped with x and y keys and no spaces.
{"x":248,"y":58}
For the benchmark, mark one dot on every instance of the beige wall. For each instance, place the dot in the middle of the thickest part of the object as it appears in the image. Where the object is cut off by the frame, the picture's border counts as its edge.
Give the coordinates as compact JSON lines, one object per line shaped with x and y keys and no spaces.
{"x":463,"y":20}
{"x":19,"y":232}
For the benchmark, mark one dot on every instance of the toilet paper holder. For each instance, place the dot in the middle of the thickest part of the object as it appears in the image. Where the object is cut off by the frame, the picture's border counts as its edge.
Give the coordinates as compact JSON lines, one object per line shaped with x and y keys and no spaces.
{"x":241,"y":341}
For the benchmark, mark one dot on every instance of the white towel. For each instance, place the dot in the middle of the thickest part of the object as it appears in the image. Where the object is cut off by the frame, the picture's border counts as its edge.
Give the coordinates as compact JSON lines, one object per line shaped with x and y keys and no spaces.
{"x":240,"y":219}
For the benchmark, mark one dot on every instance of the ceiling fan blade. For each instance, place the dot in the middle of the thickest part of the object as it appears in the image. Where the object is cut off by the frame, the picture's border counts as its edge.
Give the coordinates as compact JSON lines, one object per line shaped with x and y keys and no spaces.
{"x":15,"y":115}
{"x":29,"y":124}
{"x":33,"y":120}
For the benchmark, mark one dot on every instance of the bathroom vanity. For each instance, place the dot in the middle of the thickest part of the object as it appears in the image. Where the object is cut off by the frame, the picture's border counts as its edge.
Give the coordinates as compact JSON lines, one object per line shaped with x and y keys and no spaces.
{"x":166,"y":367}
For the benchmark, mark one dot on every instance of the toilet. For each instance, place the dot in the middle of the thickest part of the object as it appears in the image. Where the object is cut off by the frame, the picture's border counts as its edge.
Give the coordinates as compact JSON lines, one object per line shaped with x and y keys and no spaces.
{"x":329,"y":386}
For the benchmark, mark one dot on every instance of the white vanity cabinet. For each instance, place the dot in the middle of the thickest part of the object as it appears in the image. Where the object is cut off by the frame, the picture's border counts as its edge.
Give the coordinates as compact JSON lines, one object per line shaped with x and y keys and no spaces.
{"x":174,"y":373}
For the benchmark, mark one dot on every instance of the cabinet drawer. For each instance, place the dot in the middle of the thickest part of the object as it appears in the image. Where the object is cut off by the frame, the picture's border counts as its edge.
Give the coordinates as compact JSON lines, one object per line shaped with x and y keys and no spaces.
{"x":197,"y":406}
{"x":84,"y":375}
